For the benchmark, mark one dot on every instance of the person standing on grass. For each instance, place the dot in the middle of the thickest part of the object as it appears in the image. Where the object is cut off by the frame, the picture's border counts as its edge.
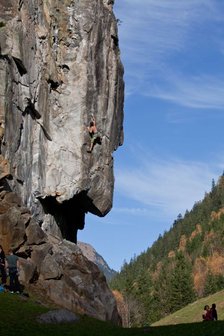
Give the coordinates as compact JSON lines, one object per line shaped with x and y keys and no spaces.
{"x":2,"y":266}
{"x":214,"y":312}
{"x":12,"y":266}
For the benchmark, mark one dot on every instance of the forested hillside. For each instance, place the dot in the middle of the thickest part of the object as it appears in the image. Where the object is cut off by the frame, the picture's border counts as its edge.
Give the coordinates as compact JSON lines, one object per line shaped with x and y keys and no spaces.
{"x":184,"y":264}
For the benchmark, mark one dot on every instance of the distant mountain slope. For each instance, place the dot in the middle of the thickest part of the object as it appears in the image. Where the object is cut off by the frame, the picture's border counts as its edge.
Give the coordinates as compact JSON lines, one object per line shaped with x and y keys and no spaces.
{"x":185,"y":263}
{"x":91,"y":254}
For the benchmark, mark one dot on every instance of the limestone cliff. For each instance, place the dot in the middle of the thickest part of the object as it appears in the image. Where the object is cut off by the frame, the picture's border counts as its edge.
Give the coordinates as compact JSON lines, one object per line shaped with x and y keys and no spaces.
{"x":59,"y":64}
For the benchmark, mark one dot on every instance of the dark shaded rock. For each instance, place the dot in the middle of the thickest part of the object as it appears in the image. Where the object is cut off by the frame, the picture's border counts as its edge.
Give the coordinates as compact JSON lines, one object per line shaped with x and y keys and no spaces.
{"x":49,"y":268}
{"x":38,"y":254}
{"x":55,"y":268}
{"x":12,"y":228}
{"x":58,"y":316}
{"x":35,"y":235}
{"x":27,"y":270}
{"x":11,"y":198}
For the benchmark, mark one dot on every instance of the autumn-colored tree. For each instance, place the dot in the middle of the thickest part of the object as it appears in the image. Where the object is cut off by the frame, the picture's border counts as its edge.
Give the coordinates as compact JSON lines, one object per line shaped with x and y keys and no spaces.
{"x":161,"y":279}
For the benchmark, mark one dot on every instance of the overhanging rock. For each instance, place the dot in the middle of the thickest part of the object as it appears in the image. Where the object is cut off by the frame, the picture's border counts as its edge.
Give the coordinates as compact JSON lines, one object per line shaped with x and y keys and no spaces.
{"x":60,"y":63}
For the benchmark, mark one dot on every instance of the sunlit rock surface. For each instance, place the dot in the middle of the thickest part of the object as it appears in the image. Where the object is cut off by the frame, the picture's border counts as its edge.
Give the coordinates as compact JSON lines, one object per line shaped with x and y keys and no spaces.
{"x":59,"y":64}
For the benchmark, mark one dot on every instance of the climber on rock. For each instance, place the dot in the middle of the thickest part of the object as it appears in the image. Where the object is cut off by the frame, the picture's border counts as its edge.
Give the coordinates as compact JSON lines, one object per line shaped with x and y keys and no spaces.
{"x":92,"y":133}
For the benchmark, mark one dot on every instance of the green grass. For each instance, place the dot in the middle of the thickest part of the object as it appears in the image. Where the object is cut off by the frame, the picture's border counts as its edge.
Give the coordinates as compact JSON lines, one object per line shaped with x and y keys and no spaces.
{"x":193,"y":312}
{"x":18,"y":318}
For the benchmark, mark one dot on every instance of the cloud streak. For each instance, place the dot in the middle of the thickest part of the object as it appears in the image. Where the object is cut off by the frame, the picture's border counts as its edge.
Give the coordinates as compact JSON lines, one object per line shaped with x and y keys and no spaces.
{"x":202,"y":92}
{"x":153,"y":28}
{"x":131,"y":211}
{"x":167,"y":187}
{"x":153,"y":33}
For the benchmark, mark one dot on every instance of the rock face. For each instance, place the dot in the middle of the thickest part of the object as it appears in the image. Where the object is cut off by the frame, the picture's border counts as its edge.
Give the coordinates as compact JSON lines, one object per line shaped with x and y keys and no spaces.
{"x":54,"y":268}
{"x":59,"y":63}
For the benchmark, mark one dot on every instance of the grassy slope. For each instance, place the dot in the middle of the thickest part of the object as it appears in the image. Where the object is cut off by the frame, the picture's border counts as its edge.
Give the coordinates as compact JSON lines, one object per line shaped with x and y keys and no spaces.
{"x":18,"y":318}
{"x":193,"y":312}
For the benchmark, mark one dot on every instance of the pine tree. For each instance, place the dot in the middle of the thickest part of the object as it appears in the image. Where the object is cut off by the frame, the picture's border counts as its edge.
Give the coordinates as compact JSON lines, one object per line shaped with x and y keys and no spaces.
{"x":162,"y":282}
{"x":181,"y":285}
{"x":213,"y":283}
{"x":210,"y":284}
{"x":162,"y":294}
{"x":213,"y":185}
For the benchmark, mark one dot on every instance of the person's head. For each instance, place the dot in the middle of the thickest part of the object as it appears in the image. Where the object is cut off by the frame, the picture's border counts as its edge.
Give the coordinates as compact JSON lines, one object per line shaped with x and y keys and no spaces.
{"x":91,"y":124}
{"x":10,"y":251}
{"x":207,"y":307}
{"x":213,"y":306}
{"x":2,"y":251}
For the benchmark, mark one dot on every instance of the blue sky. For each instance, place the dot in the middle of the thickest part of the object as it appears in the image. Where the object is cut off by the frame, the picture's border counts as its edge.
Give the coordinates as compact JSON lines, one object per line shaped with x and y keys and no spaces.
{"x":173,"y":55}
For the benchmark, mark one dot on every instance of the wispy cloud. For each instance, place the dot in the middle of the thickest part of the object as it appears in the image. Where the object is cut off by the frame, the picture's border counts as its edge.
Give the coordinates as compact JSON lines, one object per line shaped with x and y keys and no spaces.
{"x":204,"y":92}
{"x":131,"y":211}
{"x":167,"y":187}
{"x":153,"y":28}
{"x":154,"y":32}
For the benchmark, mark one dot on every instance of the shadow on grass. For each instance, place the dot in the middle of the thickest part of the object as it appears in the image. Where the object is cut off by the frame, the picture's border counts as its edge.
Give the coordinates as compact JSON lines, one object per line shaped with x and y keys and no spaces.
{"x":209,"y":328}
{"x":19,"y":317}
